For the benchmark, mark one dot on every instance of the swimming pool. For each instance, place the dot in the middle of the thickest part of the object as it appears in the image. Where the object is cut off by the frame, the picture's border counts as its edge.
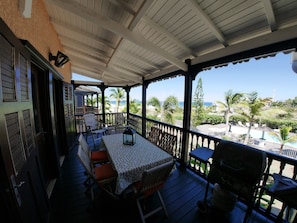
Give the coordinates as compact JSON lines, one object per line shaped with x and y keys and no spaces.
{"x":259,"y":134}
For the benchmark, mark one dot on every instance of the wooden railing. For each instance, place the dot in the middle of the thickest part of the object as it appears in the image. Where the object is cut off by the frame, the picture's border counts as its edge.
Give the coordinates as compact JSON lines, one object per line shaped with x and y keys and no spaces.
{"x":111,"y":119}
{"x":267,"y":205}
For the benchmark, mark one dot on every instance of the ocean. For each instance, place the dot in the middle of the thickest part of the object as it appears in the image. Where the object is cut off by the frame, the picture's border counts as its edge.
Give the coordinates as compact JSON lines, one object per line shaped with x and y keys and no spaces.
{"x":180,"y":103}
{"x":206,"y":104}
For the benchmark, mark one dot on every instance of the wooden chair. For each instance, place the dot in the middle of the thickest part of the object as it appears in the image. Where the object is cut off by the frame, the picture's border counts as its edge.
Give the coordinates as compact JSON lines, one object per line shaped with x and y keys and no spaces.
{"x":120,"y":122}
{"x":154,"y":135}
{"x":96,"y":157}
{"x":152,"y":181}
{"x":102,"y":175}
{"x":94,"y":128}
{"x":168,"y":142}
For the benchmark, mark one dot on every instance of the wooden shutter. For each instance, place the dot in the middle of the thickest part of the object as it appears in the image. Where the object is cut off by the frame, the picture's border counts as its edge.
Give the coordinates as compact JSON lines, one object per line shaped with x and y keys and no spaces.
{"x":69,"y":113}
{"x":15,"y":141}
{"x":7,"y":59}
{"x":24,"y":78}
{"x":68,"y":101}
{"x":29,"y":140}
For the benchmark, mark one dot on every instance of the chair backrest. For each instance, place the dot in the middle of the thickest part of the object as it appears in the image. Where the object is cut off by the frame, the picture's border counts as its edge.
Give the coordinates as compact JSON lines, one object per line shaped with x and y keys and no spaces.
{"x":85,"y":161}
{"x":84,"y":145}
{"x":90,"y":121}
{"x":154,"y":135}
{"x":119,"y":119}
{"x":153,"y":179}
{"x":168,"y":142}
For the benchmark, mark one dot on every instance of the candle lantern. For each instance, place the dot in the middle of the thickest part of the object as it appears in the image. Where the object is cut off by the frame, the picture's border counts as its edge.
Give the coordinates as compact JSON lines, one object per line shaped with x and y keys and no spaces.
{"x":129,"y":136}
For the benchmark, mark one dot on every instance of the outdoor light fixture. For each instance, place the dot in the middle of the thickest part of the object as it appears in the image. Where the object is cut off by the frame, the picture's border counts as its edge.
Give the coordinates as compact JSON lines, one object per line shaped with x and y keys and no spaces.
{"x":129,"y":136}
{"x":60,"y":59}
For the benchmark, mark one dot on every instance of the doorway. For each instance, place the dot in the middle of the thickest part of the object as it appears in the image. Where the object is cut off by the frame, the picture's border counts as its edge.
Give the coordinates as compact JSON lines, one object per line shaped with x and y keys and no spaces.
{"x":43,"y":123}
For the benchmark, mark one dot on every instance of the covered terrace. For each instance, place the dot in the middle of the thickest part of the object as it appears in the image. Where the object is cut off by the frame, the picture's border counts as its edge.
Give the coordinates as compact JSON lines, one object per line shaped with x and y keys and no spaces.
{"x":137,"y":42}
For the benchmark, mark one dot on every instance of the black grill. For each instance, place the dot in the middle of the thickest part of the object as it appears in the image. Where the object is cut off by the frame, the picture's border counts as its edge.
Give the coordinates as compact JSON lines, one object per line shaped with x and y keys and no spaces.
{"x":238,"y":168}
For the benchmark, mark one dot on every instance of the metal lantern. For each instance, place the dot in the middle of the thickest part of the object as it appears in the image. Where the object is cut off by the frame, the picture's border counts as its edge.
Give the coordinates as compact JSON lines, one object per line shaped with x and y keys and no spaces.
{"x":129,"y":136}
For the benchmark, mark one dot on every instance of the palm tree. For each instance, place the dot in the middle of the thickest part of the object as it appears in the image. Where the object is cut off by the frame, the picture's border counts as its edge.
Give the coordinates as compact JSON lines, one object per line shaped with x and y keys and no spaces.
{"x":252,"y":106}
{"x":231,"y":99}
{"x":166,"y":109}
{"x":106,"y":103}
{"x":154,"y":102}
{"x":283,"y":136}
{"x":135,"y":107}
{"x":169,"y":107}
{"x":91,"y":101}
{"x":118,"y":94}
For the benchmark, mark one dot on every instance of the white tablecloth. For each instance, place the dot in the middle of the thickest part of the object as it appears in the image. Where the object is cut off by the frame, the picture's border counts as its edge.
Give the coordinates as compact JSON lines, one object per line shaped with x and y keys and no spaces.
{"x":131,"y":161}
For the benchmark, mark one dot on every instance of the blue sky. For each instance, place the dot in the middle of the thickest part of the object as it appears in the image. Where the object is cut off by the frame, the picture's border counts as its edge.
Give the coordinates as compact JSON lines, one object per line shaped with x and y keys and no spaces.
{"x":270,"y":77}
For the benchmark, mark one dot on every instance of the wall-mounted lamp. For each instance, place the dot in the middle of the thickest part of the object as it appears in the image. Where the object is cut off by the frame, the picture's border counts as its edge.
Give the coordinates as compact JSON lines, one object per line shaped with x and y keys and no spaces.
{"x":60,"y":59}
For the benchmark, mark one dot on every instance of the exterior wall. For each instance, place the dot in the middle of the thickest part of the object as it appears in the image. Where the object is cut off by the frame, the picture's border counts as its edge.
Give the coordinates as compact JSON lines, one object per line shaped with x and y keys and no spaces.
{"x":37,"y":30}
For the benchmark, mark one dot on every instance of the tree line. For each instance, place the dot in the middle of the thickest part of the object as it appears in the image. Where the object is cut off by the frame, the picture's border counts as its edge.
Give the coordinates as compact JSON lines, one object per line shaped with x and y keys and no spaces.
{"x":247,"y":107}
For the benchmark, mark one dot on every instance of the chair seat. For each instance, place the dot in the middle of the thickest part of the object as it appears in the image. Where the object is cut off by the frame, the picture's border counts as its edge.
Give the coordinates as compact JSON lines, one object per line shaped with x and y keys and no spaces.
{"x":102,"y":175}
{"x":104,"y":172}
{"x":148,"y":192}
{"x":99,"y":156}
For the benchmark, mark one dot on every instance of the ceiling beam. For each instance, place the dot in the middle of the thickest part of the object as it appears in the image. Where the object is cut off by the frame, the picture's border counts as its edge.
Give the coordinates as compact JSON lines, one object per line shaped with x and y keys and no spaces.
{"x":145,"y":6}
{"x":140,"y":59}
{"x":107,"y":70}
{"x":118,"y":29}
{"x":81,"y":33}
{"x":268,"y":39}
{"x":81,"y":46}
{"x":207,"y":21}
{"x":75,"y":56}
{"x":124,"y":5}
{"x":87,"y":71}
{"x":83,"y":54}
{"x":269,"y":14}
{"x":127,"y":71}
{"x":128,"y":67}
{"x":137,"y":17}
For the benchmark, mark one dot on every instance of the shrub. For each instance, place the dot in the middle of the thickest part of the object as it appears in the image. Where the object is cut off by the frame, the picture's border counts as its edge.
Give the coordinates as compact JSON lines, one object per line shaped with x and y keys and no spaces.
{"x":214,"y":119}
{"x":237,"y":118}
{"x":278,"y":123}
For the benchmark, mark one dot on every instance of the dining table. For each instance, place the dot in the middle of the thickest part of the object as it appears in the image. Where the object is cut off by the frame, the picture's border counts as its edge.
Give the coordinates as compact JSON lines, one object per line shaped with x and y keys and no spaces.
{"x":130,"y":161}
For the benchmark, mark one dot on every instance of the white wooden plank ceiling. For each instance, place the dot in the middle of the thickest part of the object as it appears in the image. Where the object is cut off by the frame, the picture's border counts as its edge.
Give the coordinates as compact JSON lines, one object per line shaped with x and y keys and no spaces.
{"x":125,"y":42}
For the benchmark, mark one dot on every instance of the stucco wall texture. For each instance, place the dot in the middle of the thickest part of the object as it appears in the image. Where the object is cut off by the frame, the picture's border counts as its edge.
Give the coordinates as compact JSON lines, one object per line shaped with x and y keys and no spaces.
{"x":37,"y":30}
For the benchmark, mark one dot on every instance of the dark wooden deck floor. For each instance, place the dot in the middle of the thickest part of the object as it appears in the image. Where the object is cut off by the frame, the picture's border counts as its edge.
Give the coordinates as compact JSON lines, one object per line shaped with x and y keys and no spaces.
{"x":70,"y":203}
